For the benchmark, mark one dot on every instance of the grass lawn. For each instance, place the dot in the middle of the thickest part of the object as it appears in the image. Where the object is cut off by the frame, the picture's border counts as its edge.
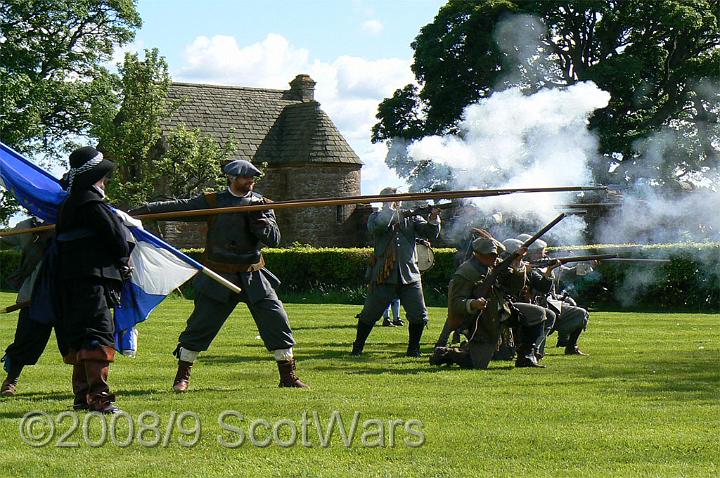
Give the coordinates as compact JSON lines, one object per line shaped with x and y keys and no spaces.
{"x":645,"y":403}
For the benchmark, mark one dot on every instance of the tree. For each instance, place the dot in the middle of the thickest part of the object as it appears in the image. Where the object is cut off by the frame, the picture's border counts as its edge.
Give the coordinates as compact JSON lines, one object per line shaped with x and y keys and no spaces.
{"x":149,"y":163}
{"x":52,"y":69}
{"x":654,"y":58}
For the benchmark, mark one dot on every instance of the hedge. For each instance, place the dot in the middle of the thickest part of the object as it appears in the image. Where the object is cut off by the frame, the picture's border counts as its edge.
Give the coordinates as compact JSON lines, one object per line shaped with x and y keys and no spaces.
{"x":690,"y":281}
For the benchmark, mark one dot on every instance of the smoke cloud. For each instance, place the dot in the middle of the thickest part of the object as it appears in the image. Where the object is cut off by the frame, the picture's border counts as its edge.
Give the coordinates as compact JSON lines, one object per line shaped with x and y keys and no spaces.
{"x":514,"y":140}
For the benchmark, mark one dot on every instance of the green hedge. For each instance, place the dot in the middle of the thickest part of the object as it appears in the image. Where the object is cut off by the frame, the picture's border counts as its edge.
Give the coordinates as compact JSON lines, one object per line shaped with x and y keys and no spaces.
{"x":691,"y":281}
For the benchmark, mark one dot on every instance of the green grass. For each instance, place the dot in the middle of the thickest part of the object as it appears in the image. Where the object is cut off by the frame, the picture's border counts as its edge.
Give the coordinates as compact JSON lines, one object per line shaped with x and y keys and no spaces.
{"x":646,"y":403}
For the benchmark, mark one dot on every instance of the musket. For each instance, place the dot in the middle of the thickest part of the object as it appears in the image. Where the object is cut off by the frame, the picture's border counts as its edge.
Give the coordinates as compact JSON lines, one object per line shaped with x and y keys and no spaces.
{"x":484,"y":288}
{"x":639,"y":260}
{"x":598,"y":257}
{"x":564,"y":260}
{"x":425,"y":210}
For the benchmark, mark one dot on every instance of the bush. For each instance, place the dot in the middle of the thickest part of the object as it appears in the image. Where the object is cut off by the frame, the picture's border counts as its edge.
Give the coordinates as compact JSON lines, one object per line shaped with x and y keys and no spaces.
{"x":691,"y":281}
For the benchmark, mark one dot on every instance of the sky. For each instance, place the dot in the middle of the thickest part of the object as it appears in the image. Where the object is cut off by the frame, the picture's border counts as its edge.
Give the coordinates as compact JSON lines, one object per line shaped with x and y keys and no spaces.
{"x":358,"y":52}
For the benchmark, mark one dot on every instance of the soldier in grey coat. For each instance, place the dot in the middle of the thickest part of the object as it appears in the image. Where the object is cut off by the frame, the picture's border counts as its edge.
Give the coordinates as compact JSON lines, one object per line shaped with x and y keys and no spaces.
{"x":393,"y":271}
{"x":233,"y":251}
{"x":571,"y":320}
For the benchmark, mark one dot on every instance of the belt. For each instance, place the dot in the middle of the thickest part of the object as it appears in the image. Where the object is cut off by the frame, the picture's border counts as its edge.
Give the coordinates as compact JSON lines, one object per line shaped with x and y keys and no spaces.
{"x":230,"y":268}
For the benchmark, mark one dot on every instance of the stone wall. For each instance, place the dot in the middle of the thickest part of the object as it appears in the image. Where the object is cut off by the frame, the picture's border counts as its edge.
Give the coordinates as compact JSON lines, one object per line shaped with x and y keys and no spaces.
{"x":335,"y":226}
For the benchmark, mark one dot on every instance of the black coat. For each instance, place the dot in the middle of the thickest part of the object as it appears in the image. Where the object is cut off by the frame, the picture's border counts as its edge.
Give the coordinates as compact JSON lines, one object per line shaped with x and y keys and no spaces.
{"x":93,"y":241}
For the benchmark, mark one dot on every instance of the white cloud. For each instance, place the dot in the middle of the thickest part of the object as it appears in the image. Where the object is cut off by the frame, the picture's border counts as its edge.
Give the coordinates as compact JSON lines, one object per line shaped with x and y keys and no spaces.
{"x":373,"y":27}
{"x":348,"y":88}
{"x":271,"y":63}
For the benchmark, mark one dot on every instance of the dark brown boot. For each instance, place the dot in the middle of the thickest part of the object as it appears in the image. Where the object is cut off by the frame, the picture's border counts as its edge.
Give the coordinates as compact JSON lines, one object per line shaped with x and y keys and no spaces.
{"x":9,"y":386}
{"x":287,"y":374}
{"x":96,"y":362}
{"x":80,"y":387}
{"x":182,"y":377}
{"x":574,"y":350}
{"x":99,"y":398}
{"x":440,"y":356}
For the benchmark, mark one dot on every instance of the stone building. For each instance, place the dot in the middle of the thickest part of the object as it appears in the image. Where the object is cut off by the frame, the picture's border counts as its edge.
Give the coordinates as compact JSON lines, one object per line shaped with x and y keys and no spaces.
{"x":304,"y":155}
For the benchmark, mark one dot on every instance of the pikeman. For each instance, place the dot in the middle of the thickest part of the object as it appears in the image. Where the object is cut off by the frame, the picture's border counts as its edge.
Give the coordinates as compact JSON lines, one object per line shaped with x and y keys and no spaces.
{"x":393,"y":270}
{"x":31,"y":336}
{"x":233,"y":250}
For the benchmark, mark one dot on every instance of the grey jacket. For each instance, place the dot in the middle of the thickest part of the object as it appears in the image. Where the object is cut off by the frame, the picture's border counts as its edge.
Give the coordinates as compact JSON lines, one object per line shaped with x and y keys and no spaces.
{"x":394,"y":257}
{"x":231,"y":239}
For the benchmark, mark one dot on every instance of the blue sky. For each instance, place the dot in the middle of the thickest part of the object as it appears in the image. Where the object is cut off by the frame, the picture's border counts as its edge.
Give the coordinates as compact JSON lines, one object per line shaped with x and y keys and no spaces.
{"x":358,"y":51}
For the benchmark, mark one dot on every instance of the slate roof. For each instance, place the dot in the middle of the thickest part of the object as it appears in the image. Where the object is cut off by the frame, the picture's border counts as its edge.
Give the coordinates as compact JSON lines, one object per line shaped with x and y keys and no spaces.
{"x":272,"y":126}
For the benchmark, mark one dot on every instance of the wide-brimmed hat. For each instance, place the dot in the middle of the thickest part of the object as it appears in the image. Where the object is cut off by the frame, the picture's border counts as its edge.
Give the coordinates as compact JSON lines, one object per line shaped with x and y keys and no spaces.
{"x":87,"y":166}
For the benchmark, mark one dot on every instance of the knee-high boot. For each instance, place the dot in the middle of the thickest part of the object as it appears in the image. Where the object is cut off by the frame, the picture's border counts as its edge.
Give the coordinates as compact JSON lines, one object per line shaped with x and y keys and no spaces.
{"x":97,"y":367}
{"x":80,"y":386}
{"x":363,"y":331}
{"x":415,"y":331}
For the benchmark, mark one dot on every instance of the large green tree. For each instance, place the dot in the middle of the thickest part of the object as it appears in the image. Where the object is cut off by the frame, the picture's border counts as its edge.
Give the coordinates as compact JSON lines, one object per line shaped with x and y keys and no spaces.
{"x":153,"y":161}
{"x":53,"y":57}
{"x":659,"y":60}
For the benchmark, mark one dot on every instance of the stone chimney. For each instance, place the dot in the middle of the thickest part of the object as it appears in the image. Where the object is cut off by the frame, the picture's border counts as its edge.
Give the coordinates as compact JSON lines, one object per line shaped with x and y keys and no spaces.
{"x":303,"y":88}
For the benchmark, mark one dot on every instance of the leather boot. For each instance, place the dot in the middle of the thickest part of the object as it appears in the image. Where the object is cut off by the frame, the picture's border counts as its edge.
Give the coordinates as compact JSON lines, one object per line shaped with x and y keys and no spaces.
{"x":415,"y":331}
{"x":526,"y":357}
{"x":182,"y":377}
{"x":363,"y":331}
{"x":288,"y":378}
{"x":460,"y":357}
{"x":99,"y":398}
{"x":572,"y":348}
{"x":9,"y":385}
{"x":80,"y":387}
{"x":440,"y":356}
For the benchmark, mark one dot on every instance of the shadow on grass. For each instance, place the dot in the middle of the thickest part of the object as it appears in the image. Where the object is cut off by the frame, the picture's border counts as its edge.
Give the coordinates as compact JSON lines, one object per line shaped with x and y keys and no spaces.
{"x":324,"y":327}
{"x":681,"y":376}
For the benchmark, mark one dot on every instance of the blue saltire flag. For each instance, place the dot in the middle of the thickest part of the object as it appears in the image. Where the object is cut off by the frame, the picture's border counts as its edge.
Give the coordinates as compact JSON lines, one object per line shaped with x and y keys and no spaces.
{"x":159,"y":267}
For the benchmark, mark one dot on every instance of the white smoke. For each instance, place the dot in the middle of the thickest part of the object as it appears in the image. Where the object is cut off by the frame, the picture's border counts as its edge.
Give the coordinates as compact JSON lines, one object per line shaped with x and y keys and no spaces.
{"x":672,"y":192}
{"x":512,"y":140}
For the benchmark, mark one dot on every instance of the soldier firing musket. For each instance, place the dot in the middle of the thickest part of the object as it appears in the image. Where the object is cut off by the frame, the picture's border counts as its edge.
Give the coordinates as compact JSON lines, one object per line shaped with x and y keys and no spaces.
{"x":478,"y":302}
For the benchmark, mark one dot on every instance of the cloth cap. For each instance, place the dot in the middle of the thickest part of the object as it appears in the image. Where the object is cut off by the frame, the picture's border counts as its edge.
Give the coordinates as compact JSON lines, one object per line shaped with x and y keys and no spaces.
{"x":512,"y":245}
{"x":240,"y":167}
{"x":537,"y":245}
{"x":87,"y":166}
{"x":483,"y":245}
{"x":523,"y":237}
{"x":388,"y":191}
